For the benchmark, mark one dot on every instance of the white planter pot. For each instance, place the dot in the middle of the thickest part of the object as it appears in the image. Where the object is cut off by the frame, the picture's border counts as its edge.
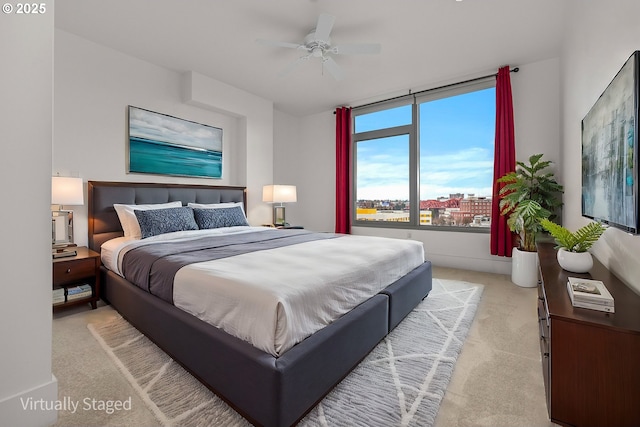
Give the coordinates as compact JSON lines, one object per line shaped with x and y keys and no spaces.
{"x":524,"y":268}
{"x":576,"y":262}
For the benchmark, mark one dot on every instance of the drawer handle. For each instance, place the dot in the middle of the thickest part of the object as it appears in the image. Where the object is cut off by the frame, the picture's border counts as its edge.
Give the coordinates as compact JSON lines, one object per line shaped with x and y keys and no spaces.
{"x":68,"y":270}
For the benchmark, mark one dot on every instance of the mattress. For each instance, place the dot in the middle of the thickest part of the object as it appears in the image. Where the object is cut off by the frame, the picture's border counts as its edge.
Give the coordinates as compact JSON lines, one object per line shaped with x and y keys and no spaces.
{"x":275,"y":298}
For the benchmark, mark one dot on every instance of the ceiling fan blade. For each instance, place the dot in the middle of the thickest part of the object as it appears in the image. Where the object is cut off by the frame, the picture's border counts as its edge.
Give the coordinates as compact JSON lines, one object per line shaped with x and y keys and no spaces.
{"x":280,"y":44}
{"x":289,"y":69}
{"x":355,"y":49}
{"x":324,"y":26}
{"x":333,"y":68}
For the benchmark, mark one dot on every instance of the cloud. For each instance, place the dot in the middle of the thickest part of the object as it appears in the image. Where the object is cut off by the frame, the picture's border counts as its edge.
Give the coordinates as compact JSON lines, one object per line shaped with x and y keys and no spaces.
{"x":385,"y":176}
{"x":150,"y":125}
{"x":394,"y":192}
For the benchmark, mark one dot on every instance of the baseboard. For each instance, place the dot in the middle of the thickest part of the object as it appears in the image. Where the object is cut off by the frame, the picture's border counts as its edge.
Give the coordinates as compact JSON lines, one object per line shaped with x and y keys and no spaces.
{"x":28,"y":408}
{"x":496,"y":265}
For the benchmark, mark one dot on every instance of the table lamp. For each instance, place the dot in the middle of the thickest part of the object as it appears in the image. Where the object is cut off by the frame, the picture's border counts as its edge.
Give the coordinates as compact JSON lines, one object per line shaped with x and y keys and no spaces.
{"x":279,"y":194}
{"x":64,"y":191}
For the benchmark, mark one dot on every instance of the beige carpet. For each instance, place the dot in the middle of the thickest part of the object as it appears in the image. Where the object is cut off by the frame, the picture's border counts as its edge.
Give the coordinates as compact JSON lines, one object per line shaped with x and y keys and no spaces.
{"x":401,"y":382}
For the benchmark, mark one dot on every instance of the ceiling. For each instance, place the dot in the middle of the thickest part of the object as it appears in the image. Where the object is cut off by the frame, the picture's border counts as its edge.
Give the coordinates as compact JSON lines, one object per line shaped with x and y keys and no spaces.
{"x":425,"y":43}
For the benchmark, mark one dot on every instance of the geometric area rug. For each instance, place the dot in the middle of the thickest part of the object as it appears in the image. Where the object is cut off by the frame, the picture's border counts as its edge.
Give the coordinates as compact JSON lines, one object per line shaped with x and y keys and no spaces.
{"x":400,"y":383}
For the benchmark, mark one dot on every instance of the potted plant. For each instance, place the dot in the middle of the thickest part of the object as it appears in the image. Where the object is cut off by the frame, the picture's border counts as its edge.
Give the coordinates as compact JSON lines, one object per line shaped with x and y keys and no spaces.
{"x":530,"y":194}
{"x":573,"y":247}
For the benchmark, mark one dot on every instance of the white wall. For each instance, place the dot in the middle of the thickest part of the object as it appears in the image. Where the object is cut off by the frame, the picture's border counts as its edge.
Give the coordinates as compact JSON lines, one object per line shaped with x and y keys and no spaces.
{"x":26,"y":45}
{"x":304,"y":151}
{"x":600,"y":36}
{"x":536,"y":105}
{"x":306,"y":157}
{"x":254,"y":143}
{"x":95,"y":84}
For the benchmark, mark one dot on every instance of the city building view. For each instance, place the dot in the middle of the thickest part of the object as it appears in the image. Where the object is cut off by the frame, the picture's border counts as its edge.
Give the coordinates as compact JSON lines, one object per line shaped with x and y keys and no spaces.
{"x":442,"y":144}
{"x":455,"y":210}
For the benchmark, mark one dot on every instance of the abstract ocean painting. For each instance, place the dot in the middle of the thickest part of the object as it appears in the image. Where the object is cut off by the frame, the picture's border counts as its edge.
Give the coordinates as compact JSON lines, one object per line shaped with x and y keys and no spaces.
{"x":166,"y":145}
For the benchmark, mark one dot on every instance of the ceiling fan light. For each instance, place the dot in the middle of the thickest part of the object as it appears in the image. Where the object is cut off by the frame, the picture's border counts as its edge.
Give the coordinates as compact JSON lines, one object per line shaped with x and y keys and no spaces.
{"x":317,"y":44}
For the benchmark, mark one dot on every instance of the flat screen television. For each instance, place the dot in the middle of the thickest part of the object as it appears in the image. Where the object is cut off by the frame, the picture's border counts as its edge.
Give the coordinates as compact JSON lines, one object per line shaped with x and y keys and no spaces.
{"x":610,"y":152}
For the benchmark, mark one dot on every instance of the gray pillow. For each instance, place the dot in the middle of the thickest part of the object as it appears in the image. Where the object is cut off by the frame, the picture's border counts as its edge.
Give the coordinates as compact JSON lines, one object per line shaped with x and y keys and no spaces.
{"x":219,"y":217}
{"x":161,"y":221}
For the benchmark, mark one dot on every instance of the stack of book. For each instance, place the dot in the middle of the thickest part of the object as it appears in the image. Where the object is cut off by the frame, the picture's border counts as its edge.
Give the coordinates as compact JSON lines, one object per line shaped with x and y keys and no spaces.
{"x":77,"y":292}
{"x":58,"y":296}
{"x":588,"y":293}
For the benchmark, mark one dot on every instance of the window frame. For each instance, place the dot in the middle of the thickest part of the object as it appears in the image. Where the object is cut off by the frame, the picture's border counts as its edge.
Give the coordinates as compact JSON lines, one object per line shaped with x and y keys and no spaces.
{"x":412,"y":130}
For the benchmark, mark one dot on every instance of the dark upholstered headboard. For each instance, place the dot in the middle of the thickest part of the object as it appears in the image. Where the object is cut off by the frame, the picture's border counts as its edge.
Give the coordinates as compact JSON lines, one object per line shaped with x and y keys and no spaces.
{"x":103,"y":219}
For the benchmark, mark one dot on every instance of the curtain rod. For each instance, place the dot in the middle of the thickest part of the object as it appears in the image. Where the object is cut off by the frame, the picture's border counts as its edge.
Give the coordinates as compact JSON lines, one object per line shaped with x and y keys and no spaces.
{"x":513,"y":70}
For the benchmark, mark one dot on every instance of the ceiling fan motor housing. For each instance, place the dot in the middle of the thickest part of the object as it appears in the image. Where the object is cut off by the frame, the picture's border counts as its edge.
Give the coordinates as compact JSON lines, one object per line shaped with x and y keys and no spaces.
{"x":317,"y":47}
{"x":317,"y":44}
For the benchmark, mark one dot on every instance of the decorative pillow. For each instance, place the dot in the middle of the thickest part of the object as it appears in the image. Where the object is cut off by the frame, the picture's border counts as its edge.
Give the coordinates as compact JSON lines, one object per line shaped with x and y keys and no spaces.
{"x":128,"y":219}
{"x":160,"y":221}
{"x":219,"y":217}
{"x":217,"y":206}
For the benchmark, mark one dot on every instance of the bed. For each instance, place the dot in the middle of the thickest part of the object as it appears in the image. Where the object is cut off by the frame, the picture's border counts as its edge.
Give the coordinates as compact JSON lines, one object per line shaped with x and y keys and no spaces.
{"x":270,"y":388}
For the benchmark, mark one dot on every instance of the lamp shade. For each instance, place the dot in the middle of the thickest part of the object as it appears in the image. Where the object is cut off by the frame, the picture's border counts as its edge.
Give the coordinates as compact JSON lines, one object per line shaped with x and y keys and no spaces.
{"x":66,"y":191}
{"x":279,"y":193}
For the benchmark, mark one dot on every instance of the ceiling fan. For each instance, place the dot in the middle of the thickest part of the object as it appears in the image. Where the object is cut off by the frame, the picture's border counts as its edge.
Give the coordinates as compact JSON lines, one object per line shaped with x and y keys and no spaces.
{"x":317,"y":44}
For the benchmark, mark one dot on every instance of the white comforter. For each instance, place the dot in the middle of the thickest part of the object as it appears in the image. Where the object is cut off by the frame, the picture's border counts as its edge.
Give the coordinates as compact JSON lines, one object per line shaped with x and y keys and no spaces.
{"x":276,"y":298}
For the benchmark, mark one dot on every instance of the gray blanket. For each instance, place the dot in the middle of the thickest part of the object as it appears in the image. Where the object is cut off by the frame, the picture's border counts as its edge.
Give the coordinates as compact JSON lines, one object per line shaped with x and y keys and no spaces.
{"x":153,"y":267}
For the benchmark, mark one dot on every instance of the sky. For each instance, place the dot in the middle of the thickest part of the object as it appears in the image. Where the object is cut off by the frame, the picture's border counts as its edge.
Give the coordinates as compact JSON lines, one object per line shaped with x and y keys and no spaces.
{"x":161,"y":127}
{"x":456,"y":149}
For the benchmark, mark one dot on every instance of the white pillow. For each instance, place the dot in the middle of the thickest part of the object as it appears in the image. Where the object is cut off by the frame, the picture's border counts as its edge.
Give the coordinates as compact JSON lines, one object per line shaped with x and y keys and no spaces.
{"x":128,"y":218}
{"x":217,"y":206}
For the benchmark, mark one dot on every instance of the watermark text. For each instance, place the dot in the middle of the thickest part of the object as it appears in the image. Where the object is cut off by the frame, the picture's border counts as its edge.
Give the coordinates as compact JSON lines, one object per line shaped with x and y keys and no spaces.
{"x":70,"y":405}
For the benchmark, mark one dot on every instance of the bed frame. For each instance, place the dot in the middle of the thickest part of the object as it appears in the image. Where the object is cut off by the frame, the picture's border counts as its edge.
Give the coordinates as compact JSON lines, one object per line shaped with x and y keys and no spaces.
{"x":266,"y":390}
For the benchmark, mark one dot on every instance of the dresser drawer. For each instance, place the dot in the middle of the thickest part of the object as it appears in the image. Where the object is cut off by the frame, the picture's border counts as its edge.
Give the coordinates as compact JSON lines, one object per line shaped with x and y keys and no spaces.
{"x":69,"y":272}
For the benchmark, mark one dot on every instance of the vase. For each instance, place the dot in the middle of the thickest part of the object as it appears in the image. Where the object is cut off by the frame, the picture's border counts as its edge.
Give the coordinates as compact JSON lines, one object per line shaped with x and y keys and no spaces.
{"x":575,"y":262}
{"x":524,"y":268}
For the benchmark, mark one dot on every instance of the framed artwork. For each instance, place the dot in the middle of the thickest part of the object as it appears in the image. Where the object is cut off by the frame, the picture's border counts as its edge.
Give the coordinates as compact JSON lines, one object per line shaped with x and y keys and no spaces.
{"x":165,"y":145}
{"x":610,"y":172}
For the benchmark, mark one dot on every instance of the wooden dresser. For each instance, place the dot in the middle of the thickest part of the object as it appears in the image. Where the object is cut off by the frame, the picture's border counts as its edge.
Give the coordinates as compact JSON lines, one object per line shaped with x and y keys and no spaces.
{"x":590,"y":359}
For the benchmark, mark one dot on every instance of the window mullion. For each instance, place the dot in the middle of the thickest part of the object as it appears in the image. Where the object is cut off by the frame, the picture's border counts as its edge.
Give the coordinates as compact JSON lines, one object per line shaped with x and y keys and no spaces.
{"x":383,"y":133}
{"x":414,"y":169}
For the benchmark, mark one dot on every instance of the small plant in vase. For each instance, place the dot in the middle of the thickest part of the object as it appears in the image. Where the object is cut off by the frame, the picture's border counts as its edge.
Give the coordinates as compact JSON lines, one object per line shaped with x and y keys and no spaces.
{"x":573,"y":247}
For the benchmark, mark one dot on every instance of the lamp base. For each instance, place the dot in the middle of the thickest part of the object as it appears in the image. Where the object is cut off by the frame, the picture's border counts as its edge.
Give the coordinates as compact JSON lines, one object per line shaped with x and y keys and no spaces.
{"x":63,"y":245}
{"x":62,"y":253}
{"x":61,"y":228}
{"x":279,"y":216}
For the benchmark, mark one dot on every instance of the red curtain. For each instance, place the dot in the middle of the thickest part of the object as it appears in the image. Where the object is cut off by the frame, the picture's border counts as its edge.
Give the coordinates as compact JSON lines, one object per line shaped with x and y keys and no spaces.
{"x":504,"y":162}
{"x":343,"y":170}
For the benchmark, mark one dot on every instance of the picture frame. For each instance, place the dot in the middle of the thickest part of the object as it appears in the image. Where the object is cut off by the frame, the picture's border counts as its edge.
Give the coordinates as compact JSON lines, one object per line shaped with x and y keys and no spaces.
{"x":166,"y":145}
{"x":610,"y":171}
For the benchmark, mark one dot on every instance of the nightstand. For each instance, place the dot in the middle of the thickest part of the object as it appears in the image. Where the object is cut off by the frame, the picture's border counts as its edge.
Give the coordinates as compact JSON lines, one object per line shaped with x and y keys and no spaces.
{"x":84,"y":268}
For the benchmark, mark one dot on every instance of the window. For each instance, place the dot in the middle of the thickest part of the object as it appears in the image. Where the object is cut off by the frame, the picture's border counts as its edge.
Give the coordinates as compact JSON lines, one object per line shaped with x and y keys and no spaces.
{"x":383,"y":179}
{"x":427,"y":163}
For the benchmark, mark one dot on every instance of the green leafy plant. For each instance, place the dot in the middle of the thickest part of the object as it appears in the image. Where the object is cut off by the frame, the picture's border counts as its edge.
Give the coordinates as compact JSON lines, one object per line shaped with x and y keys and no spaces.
{"x":580,"y":241}
{"x":525,"y":220}
{"x":530,"y":194}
